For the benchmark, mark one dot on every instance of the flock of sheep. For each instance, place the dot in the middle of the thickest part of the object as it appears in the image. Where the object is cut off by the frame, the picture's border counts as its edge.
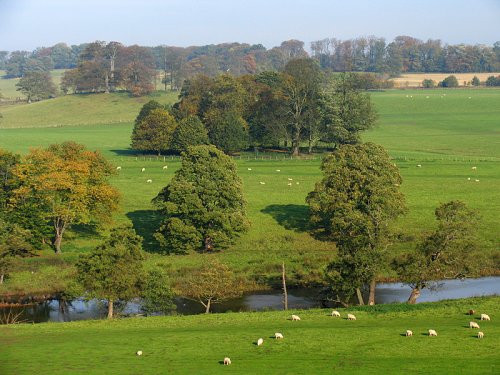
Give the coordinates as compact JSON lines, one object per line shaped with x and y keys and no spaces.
{"x":468,"y":178}
{"x":149,"y":181}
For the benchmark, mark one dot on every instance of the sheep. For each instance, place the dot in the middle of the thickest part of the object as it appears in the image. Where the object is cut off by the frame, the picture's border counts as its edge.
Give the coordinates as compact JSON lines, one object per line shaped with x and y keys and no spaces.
{"x":409,"y":333}
{"x":165,"y":167}
{"x":118,"y":168}
{"x":419,"y":165}
{"x":480,"y":335}
{"x":432,"y":332}
{"x":297,"y":182}
{"x":249,"y":169}
{"x":471,"y":312}
{"x":143,"y":169}
{"x":468,"y":178}
{"x":295,"y":317}
{"x":336,"y":313}
{"x":351,"y":317}
{"x":278,"y":335}
{"x":278,"y":170}
{"x":474,"y":168}
{"x":149,"y":181}
{"x":290,"y":179}
{"x":485,"y":317}
{"x":262,"y":183}
{"x":473,"y":325}
{"x":227,"y":361}
{"x":260,"y":341}
{"x":289,"y":184}
{"x":477,"y":180}
{"x":139,"y":352}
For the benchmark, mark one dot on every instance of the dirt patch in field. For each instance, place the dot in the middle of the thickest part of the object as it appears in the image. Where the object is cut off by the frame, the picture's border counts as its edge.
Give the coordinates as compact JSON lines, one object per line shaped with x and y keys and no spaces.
{"x":415,"y":79}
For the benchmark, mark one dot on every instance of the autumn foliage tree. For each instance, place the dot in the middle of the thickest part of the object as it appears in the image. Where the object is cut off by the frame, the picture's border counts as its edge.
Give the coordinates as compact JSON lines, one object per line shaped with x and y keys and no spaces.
{"x":70,"y":185}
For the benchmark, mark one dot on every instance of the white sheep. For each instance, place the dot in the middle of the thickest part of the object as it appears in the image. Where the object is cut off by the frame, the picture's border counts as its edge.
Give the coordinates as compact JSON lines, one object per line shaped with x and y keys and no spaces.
{"x":473,"y":325}
{"x":165,"y":167}
{"x":480,"y":335}
{"x":249,"y":169}
{"x":143,"y":169}
{"x":149,"y":181}
{"x":260,"y":341}
{"x":297,"y":182}
{"x":432,"y":332}
{"x":419,"y":165}
{"x":227,"y":361}
{"x":295,"y":317}
{"x":290,"y":179}
{"x":139,"y":352}
{"x":468,"y":178}
{"x":278,"y":170}
{"x":118,"y":168}
{"x":477,"y":180}
{"x":409,"y":333}
{"x":336,"y":313}
{"x":262,"y":183}
{"x":474,"y":168}
{"x":278,"y":335}
{"x":289,"y":184}
{"x":351,"y":317}
{"x":485,"y":317}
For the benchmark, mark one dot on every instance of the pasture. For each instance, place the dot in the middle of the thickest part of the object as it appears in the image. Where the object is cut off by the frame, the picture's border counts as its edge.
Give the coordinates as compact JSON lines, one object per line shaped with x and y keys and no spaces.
{"x":317,"y":344}
{"x":442,"y":130}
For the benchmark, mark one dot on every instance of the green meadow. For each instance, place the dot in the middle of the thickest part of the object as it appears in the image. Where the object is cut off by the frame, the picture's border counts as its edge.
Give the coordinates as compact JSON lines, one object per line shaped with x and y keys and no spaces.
{"x":447,"y":132}
{"x":317,"y":344}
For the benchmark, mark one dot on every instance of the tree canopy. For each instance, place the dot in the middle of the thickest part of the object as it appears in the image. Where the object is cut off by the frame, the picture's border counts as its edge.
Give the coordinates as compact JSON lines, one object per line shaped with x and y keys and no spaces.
{"x":37,"y":86}
{"x":203,"y":206}
{"x":154,"y":132}
{"x":189,"y":132}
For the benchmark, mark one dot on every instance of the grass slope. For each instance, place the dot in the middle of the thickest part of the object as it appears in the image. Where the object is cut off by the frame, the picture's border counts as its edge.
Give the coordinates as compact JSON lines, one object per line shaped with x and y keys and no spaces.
{"x":318,"y":344}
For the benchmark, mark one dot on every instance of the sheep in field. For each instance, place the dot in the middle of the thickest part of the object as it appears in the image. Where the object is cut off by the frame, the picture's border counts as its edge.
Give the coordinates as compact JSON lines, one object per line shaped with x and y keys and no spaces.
{"x":149,"y":181}
{"x":351,"y":317}
{"x":432,"y":332}
{"x":260,"y":342}
{"x":480,"y":335}
{"x":409,"y":333}
{"x":262,"y":183}
{"x":419,"y":165}
{"x":139,"y":352}
{"x":165,"y":167}
{"x":474,"y":168}
{"x":227,"y":361}
{"x":278,"y":335}
{"x":295,"y":317}
{"x":473,"y":325}
{"x":289,"y":184}
{"x":485,"y":317}
{"x":143,"y":169}
{"x":249,"y":169}
{"x":336,"y":313}
{"x":118,"y":168}
{"x":471,"y":312}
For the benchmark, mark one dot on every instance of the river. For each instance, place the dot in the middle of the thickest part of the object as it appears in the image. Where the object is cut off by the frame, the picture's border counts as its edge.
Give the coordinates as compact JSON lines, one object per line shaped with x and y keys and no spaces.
{"x":260,"y":301}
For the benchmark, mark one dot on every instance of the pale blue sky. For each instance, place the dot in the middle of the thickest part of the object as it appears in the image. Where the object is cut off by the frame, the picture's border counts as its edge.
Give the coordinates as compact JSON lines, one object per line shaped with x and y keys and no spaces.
{"x":26,"y":24}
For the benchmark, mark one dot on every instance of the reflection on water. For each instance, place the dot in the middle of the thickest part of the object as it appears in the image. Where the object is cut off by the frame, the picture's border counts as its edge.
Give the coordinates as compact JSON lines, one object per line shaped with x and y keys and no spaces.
{"x":54,"y":311}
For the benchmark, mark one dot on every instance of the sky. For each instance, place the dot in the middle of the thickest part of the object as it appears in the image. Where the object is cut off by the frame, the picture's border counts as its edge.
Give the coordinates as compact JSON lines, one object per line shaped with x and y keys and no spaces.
{"x":27,"y":24}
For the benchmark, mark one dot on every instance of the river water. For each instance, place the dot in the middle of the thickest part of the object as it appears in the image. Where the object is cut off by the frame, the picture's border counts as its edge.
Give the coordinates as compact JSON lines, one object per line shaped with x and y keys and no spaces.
{"x":259,"y":301}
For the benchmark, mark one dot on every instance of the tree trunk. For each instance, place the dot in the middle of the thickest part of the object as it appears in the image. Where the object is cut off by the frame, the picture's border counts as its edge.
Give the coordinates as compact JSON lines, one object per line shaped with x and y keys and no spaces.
{"x":415,"y":293}
{"x":60,"y":227}
{"x":360,"y":297}
{"x":285,"y":293}
{"x":106,"y":83}
{"x":207,"y":307}
{"x":1,"y":278}
{"x":110,"y":309}
{"x":371,"y":298}
{"x":57,"y":242}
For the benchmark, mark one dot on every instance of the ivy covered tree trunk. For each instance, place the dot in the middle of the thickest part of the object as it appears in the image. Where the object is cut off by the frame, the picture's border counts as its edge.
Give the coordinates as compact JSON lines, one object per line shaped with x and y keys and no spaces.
{"x":371,"y":298}
{"x":415,"y":293}
{"x":110,"y":309}
{"x":360,"y":297}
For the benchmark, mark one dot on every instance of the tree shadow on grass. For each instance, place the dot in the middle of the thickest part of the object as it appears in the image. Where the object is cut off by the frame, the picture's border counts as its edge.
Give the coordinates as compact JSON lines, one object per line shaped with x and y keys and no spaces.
{"x":291,"y":216}
{"x":145,"y":223}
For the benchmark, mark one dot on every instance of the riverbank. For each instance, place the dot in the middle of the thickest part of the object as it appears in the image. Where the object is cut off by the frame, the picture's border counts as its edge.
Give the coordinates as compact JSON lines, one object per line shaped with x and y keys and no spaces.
{"x":318,"y":344}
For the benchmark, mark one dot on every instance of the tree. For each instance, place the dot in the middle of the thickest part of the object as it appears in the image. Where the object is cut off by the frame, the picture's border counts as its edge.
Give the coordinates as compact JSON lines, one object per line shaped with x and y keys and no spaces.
{"x":189,"y":132}
{"x":154,"y":132}
{"x":475,"y":81}
{"x":157,"y":296}
{"x":69,"y":185}
{"x":428,"y":83}
{"x":450,"y":81}
{"x":36,"y":86}
{"x":147,"y":109}
{"x":449,"y":252}
{"x":346,"y":110}
{"x":138,"y":70}
{"x":198,"y":213}
{"x":113,"y":270}
{"x":212,"y":283}
{"x":228,"y":131}
{"x":355,"y":202}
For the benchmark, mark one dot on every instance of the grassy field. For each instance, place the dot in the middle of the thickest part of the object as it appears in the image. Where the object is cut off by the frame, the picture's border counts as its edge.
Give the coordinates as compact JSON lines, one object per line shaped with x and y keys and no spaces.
{"x":446,"y":133}
{"x":415,"y":79}
{"x":318,"y":344}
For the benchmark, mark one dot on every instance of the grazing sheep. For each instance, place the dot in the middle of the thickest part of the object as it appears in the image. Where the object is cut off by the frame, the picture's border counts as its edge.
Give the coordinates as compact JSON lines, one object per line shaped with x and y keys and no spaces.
{"x":419,"y":165}
{"x":336,"y":313}
{"x":480,"y":335}
{"x":295,"y":317}
{"x":468,"y":178}
{"x":165,"y":167}
{"x":227,"y":361}
{"x":262,"y":183}
{"x":278,"y":170}
{"x":432,"y":332}
{"x":290,"y":179}
{"x":485,"y":317}
{"x":249,"y":169}
{"x":351,"y":317}
{"x":471,"y":312}
{"x":278,"y":335}
{"x":118,"y":168}
{"x":143,"y":169}
{"x":409,"y":333}
{"x":477,"y":180}
{"x":260,"y":342}
{"x":289,"y":184}
{"x":149,"y":181}
{"x":474,"y":168}
{"x":139,"y":352}
{"x":473,"y":325}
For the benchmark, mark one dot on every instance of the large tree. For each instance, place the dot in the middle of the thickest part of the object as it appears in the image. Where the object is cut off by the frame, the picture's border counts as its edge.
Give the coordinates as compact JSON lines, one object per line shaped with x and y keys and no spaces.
{"x":203,"y":205}
{"x":189,"y":132}
{"x":449,"y":252}
{"x":70,"y":185}
{"x":36,"y":86}
{"x":113,"y":270}
{"x":354,"y":204}
{"x":154,"y":132}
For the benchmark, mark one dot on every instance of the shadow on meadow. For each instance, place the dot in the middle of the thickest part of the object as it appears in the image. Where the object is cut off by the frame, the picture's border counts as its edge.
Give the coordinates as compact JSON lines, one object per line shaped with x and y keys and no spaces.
{"x":291,"y":216}
{"x":145,"y":223}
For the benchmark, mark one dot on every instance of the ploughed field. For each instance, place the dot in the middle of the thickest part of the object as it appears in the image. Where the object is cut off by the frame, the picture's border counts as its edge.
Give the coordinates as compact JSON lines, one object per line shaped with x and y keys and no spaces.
{"x":445,"y":131}
{"x":375,"y":343}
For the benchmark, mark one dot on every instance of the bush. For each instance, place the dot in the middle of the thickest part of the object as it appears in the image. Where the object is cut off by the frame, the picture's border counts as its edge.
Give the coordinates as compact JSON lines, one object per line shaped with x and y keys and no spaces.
{"x":492,"y":81}
{"x":428,"y":83}
{"x":450,"y":81}
{"x":475,"y":81}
